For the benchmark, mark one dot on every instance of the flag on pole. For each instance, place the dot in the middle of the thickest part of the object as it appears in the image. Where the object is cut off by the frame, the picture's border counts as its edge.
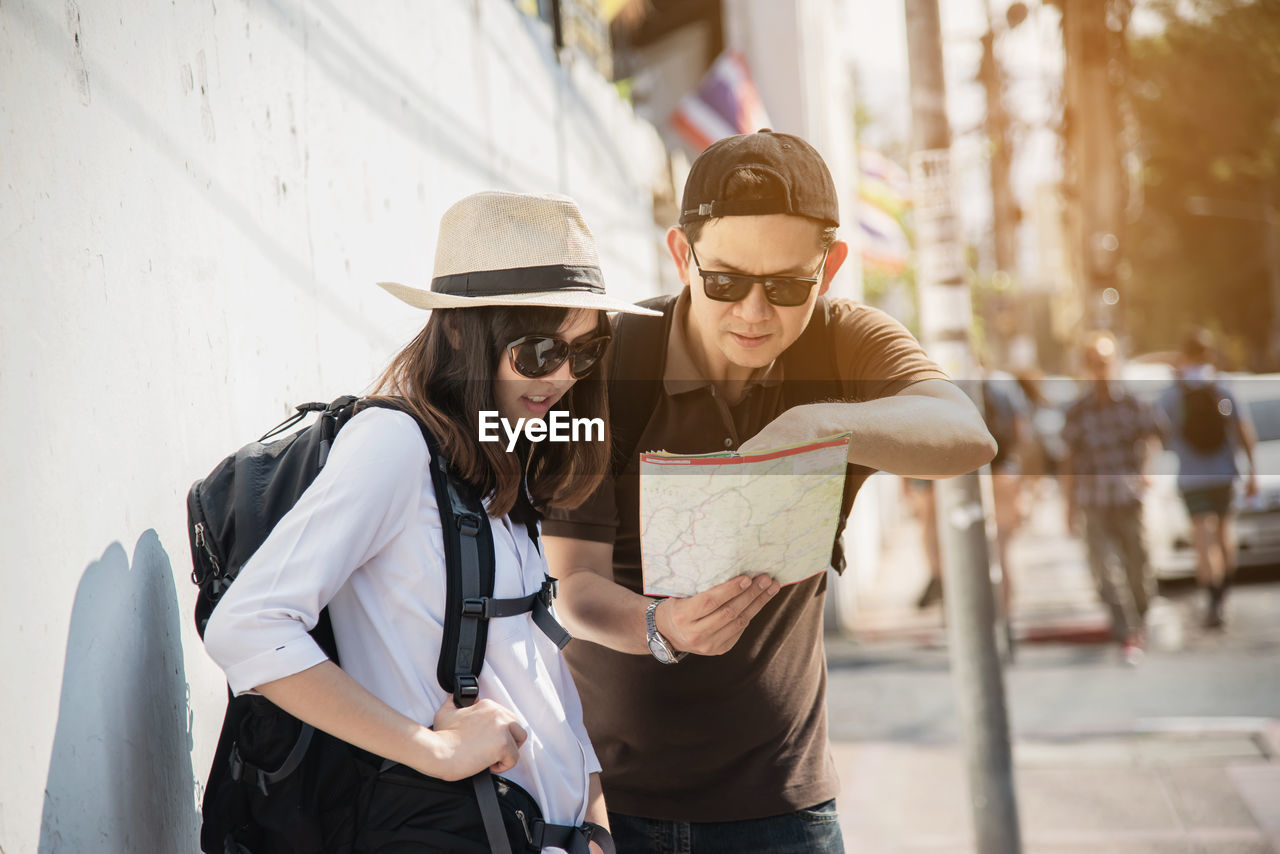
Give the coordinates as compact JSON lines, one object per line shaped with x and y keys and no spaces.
{"x":883,"y":194}
{"x":725,"y":103}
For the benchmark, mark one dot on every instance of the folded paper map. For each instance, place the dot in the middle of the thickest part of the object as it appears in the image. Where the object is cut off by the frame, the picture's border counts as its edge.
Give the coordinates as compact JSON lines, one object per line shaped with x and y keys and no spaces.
{"x":708,"y":517}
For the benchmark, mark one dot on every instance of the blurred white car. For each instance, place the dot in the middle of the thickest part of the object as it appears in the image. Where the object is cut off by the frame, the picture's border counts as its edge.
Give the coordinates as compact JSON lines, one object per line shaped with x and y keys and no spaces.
{"x":1258,"y":517}
{"x":1258,"y":523}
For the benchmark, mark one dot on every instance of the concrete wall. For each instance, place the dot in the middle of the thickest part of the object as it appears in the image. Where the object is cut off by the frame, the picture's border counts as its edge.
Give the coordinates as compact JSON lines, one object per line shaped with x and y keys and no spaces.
{"x":197,"y":198}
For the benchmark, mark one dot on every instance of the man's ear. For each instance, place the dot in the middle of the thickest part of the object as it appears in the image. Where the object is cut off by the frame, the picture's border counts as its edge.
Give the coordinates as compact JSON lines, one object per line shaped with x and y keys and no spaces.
{"x":678,"y":246}
{"x":836,"y":256}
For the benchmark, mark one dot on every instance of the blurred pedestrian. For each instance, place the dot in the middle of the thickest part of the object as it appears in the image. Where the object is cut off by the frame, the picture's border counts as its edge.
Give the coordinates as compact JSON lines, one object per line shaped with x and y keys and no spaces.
{"x":1208,"y":429}
{"x":924,"y":504}
{"x":1037,"y":460}
{"x":1005,"y":410}
{"x":1108,"y":433}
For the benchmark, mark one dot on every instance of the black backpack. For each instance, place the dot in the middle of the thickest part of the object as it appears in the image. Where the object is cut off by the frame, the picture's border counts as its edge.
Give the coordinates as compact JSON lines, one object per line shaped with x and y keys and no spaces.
{"x":279,"y":785}
{"x":1204,"y":424}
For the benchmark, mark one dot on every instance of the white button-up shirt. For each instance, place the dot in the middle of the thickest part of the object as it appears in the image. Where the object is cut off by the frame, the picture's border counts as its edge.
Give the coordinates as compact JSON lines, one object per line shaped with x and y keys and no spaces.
{"x":365,"y":540}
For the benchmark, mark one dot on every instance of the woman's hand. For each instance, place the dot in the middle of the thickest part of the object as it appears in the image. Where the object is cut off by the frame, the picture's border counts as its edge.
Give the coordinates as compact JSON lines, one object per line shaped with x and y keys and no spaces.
{"x":469,"y":740}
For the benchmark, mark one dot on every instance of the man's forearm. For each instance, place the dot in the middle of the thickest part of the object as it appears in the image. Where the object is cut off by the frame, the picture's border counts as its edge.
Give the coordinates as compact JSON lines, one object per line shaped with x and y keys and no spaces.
{"x":595,"y":609}
{"x":912,"y":435}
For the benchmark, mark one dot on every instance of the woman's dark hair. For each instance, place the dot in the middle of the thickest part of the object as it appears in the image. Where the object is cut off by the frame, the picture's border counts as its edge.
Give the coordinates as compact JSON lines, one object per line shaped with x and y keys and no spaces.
{"x":446,"y":374}
{"x":749,"y":185}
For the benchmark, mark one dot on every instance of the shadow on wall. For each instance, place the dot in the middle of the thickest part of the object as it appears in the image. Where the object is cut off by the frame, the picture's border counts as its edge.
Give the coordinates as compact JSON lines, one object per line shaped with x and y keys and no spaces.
{"x":120,"y":776}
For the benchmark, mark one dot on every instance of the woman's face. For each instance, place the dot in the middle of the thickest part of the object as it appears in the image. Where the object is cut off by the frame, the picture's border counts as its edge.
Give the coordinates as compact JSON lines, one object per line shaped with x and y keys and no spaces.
{"x":518,"y":396}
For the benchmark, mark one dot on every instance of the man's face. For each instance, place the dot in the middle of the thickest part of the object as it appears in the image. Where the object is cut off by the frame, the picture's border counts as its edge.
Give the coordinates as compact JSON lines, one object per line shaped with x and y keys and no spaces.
{"x":1099,"y":360}
{"x":752,"y":332}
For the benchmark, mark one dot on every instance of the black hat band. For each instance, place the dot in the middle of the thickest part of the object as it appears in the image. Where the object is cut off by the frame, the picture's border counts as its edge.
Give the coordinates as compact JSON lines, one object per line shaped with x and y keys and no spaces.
{"x":520,"y":280}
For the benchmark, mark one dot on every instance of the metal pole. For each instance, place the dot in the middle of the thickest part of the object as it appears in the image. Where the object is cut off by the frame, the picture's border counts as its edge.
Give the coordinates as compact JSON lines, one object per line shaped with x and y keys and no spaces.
{"x":945,"y":320}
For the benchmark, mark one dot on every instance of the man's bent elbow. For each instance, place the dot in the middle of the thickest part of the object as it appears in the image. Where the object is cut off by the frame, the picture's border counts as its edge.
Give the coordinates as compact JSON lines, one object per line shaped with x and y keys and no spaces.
{"x":970,"y":452}
{"x":984,"y":450}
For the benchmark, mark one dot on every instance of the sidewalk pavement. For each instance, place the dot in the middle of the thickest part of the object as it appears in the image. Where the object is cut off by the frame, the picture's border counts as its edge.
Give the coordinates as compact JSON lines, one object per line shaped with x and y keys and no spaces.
{"x":1053,"y":600}
{"x":1211,"y":787}
{"x":1173,"y":785}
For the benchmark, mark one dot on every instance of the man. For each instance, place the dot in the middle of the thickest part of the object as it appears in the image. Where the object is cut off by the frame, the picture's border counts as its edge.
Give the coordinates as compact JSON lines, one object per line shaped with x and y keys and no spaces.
{"x":708,"y":713}
{"x":1208,"y":428}
{"x":1108,"y":433}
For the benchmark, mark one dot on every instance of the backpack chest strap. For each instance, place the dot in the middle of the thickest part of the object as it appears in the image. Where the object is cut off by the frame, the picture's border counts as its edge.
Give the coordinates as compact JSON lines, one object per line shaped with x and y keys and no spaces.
{"x":538,"y":602}
{"x":575,"y":840}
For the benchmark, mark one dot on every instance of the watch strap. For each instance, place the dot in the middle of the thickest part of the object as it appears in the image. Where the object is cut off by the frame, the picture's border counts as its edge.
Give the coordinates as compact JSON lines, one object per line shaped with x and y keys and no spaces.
{"x":652,"y":634}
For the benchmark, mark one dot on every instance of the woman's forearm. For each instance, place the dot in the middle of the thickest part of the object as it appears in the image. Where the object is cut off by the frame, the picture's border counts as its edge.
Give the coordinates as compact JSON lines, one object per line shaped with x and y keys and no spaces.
{"x":330,"y":700}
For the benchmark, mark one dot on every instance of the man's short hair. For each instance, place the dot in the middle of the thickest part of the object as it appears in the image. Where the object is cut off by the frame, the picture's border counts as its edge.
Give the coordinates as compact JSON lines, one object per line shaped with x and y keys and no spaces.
{"x":1198,"y":345}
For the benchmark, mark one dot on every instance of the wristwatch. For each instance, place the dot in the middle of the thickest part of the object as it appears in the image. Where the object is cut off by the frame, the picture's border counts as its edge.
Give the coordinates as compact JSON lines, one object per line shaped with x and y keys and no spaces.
{"x":657,"y":643}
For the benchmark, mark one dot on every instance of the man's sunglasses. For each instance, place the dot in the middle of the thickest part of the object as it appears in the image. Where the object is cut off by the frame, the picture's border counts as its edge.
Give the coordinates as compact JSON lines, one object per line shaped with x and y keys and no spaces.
{"x":537,"y":356}
{"x":783,"y":291}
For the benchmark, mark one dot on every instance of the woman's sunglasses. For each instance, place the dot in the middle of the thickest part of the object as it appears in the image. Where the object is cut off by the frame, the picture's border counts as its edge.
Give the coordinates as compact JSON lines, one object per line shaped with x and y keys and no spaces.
{"x":535,"y":356}
{"x":785,"y":291}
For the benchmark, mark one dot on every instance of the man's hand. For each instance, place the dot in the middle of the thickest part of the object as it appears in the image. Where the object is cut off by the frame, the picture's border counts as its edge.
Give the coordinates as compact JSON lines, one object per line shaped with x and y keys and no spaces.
{"x":786,"y":429}
{"x":484,"y":735}
{"x":711,"y":622}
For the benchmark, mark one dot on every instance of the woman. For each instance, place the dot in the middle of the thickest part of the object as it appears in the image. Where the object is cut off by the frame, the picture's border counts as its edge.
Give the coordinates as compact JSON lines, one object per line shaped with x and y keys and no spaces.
{"x":518,"y":327}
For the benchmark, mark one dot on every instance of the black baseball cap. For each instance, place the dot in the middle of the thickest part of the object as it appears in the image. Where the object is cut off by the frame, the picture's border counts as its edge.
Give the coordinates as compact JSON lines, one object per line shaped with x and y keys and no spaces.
{"x":806,"y":182}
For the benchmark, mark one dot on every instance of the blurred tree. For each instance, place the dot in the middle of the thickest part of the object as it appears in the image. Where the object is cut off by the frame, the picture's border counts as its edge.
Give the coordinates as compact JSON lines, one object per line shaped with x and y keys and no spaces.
{"x":1205,"y":93}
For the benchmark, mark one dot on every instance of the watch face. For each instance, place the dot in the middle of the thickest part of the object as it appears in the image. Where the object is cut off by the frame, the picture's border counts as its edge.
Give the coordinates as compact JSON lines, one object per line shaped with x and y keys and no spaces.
{"x":659,"y":650}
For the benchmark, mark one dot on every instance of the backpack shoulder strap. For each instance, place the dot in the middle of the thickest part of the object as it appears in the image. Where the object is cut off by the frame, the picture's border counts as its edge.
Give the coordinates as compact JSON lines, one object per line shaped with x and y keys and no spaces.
{"x":469,"y":569}
{"x":636,"y":363}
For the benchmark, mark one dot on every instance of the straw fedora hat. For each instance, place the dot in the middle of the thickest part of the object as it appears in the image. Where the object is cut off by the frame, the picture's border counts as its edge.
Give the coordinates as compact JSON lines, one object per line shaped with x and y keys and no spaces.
{"x":500,"y":248}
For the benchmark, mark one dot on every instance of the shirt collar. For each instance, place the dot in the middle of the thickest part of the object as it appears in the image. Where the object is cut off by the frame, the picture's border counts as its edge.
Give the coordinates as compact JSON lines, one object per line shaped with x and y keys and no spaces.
{"x":1116,"y":392}
{"x":681,"y":373}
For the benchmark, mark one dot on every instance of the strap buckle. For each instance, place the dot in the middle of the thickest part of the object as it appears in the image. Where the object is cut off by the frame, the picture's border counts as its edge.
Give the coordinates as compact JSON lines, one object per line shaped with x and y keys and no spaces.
{"x":550,"y":590}
{"x":466,"y":685}
{"x":468,"y":524}
{"x":477,"y":608}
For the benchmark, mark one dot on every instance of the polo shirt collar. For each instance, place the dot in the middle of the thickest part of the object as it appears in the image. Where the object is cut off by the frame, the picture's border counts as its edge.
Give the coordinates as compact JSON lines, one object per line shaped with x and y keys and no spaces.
{"x":681,"y":373}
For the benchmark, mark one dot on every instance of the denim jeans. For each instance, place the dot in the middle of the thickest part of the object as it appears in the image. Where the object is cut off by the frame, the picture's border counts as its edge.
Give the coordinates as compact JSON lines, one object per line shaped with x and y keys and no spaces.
{"x":815,"y":830}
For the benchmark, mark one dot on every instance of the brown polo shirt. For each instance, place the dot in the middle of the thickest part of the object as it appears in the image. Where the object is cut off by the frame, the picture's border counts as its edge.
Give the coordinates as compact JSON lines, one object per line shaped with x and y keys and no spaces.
{"x":741,"y":735}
